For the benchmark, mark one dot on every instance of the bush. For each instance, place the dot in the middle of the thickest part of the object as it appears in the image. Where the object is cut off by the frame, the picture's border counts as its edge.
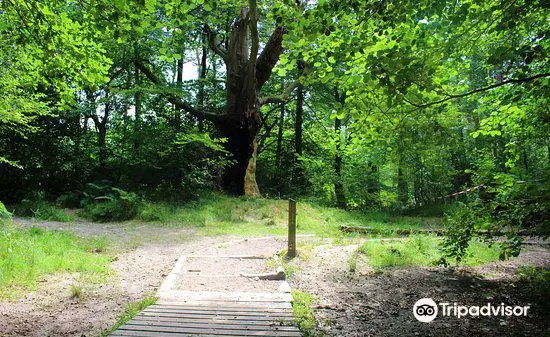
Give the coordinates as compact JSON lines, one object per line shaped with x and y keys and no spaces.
{"x":36,"y":206}
{"x":509,"y":209}
{"x":156,"y":212}
{"x":4,"y":214}
{"x":114,"y":205}
{"x":68,"y":200}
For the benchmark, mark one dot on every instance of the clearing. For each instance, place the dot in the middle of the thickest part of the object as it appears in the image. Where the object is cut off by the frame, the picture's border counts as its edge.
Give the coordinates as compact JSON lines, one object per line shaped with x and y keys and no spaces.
{"x":337,"y":291}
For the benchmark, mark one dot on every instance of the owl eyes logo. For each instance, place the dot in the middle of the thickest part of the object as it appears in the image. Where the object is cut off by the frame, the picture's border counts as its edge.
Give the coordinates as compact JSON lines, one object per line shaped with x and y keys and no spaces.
{"x":425,"y":310}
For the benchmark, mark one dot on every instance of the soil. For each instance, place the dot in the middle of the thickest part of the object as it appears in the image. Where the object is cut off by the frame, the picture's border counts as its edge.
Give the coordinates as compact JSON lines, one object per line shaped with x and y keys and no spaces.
{"x":373,"y":303}
{"x":362,"y":303}
{"x":234,"y":266}
{"x":145,"y":254}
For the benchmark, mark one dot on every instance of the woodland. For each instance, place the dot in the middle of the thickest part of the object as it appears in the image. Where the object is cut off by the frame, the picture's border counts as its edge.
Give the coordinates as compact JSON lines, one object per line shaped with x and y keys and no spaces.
{"x":113,"y":107}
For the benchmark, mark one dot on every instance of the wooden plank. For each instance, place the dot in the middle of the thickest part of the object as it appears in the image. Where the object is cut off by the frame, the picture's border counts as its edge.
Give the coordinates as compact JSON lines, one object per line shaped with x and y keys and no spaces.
{"x":238,"y":257}
{"x":219,"y":303}
{"x":218,"y":307}
{"x":274,"y":326}
{"x":130,"y":333}
{"x":220,"y":312}
{"x":233,"y":317}
{"x":285,"y":322}
{"x":184,"y":295}
{"x":199,"y":331}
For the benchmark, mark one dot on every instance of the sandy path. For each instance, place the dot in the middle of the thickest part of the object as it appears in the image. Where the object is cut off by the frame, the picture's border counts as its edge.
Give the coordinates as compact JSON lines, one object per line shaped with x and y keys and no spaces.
{"x":145,"y":254}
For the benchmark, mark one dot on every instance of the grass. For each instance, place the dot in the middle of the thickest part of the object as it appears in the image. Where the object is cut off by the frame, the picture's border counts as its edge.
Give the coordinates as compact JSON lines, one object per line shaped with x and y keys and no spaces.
{"x":130,"y":312}
{"x":220,"y":214}
{"x":303,"y":313}
{"x":420,"y":250}
{"x":26,"y":255}
{"x":352,"y":262}
{"x":42,"y":210}
{"x":77,"y":292}
{"x":535,"y":279}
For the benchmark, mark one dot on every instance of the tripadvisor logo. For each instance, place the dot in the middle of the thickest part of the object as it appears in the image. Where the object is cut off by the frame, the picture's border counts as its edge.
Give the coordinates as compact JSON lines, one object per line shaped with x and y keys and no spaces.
{"x":426,"y":310}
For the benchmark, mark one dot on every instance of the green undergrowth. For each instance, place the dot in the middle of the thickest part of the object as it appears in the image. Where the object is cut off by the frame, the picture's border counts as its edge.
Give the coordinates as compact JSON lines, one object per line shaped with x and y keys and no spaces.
{"x":302,"y":306}
{"x":219,"y":214}
{"x":421,"y":250}
{"x":28,"y":254}
{"x":131,"y":310}
{"x":42,"y":210}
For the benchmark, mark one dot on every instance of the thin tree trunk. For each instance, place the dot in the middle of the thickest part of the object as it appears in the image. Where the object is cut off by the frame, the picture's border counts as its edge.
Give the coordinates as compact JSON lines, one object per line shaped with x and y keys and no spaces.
{"x":338,"y":185}
{"x":179,"y":81}
{"x":202,"y":79}
{"x":299,"y":119}
{"x":101,"y":143}
{"x":299,"y":174}
{"x":402,"y":187}
{"x":279,"y":150}
{"x":137,"y":105}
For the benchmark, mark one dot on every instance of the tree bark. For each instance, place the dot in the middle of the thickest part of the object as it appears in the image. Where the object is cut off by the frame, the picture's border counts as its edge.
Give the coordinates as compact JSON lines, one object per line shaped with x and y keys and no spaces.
{"x":299,"y":119}
{"x":338,"y":185}
{"x":402,"y":187}
{"x":279,"y":150}
{"x":202,"y":80}
{"x":246,"y":73}
{"x":137,"y":105}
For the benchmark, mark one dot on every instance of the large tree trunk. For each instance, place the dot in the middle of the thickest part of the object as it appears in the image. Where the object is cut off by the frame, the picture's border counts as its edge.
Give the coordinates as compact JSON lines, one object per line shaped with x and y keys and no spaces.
{"x":246,"y":74}
{"x":243,"y":119}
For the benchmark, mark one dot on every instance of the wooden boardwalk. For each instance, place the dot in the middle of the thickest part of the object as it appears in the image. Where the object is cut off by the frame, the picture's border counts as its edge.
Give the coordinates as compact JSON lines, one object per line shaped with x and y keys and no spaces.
{"x":224,"y":318}
{"x":222,"y":303}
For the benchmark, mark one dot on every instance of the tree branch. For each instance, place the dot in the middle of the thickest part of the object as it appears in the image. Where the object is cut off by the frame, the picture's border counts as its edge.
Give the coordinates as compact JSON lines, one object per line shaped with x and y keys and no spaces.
{"x":269,"y":56}
{"x":282,"y":98}
{"x":178,"y":102}
{"x":215,"y":44}
{"x":253,"y":57}
{"x":475,"y":91}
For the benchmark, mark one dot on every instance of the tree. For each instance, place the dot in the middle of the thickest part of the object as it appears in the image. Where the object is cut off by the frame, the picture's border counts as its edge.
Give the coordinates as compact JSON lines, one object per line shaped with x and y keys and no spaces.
{"x":247,"y":71}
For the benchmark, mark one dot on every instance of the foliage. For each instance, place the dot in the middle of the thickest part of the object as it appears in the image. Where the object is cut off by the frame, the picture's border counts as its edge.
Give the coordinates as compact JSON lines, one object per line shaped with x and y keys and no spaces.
{"x":68,"y":200}
{"x":4,"y":214}
{"x":421,"y":250}
{"x":27,"y":255}
{"x":39,"y":208}
{"x":509,"y":209}
{"x":535,"y":279}
{"x":105,"y":203}
{"x":405,"y":103}
{"x":217,"y":214}
{"x":302,"y":306}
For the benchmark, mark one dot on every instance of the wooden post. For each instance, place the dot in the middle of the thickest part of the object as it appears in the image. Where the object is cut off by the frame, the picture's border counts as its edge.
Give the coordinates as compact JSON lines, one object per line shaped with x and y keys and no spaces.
{"x":291,"y":228}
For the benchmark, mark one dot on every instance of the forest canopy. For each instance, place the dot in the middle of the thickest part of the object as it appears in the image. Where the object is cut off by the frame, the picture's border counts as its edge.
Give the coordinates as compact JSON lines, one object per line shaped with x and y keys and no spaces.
{"x":356,"y":104}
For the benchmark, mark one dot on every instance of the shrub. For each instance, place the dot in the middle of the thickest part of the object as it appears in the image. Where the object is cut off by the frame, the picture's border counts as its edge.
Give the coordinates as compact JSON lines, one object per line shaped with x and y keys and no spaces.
{"x":156,"y":212}
{"x":4,"y":214}
{"x":68,"y":200}
{"x":114,"y":205}
{"x":36,"y":206}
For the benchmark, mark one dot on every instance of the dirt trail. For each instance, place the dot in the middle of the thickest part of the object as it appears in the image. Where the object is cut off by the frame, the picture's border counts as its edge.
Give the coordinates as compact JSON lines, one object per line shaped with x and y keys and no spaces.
{"x":145,"y":254}
{"x":369,"y":303}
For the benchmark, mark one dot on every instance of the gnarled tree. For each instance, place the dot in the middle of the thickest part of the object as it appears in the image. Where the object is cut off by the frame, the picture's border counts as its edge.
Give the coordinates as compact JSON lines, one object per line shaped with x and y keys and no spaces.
{"x":247,"y":71}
